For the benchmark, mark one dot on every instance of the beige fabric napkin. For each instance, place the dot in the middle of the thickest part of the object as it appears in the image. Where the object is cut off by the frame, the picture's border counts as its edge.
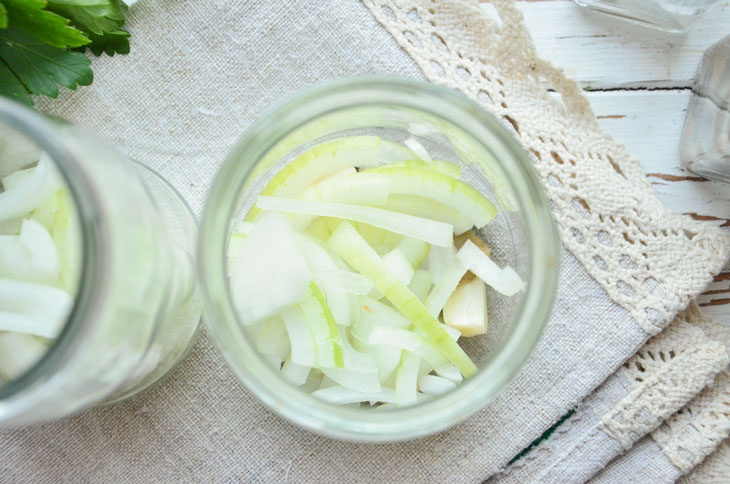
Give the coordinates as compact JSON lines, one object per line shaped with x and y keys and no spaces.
{"x":200,"y":72}
{"x":676,"y":386}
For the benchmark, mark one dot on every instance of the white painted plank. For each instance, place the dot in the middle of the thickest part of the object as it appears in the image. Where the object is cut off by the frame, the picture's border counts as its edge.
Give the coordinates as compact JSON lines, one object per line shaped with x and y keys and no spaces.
{"x":649,"y":124}
{"x":602,"y":52}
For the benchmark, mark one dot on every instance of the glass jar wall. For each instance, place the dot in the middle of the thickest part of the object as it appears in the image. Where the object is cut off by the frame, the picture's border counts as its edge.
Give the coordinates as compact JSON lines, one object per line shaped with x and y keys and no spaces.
{"x":124,"y":243}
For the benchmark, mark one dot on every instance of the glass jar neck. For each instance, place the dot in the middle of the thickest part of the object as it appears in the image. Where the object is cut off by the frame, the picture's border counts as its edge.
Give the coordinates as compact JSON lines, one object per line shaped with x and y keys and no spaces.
{"x":122,"y":265}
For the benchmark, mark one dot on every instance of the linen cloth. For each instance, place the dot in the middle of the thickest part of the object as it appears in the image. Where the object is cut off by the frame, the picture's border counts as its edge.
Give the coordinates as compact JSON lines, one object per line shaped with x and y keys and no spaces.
{"x":200,"y":72}
{"x":666,"y":374}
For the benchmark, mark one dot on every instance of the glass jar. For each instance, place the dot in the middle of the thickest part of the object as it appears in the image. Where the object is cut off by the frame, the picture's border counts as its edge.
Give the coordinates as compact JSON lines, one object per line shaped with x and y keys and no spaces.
{"x":673,"y":16}
{"x":136,"y":310}
{"x":451,"y":128}
{"x":705,"y":145}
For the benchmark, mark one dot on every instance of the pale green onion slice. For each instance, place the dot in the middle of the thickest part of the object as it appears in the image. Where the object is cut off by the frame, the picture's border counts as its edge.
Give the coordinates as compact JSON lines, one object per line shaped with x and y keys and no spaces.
{"x":360,"y":381}
{"x":46,"y":305}
{"x":444,"y":189}
{"x":505,"y":281}
{"x":445,"y":286}
{"x":397,"y":263}
{"x":348,"y":281}
{"x":420,"y":206}
{"x":300,"y":337}
{"x":451,"y":169}
{"x":31,"y":192}
{"x":449,"y":371}
{"x":420,"y":284}
{"x":295,"y":373}
{"x":435,"y":385}
{"x":418,"y":149}
{"x":272,"y":340}
{"x":439,"y":260}
{"x":358,"y":188}
{"x":356,"y":252}
{"x":374,"y":313}
{"x":340,"y":395}
{"x":436,"y":233}
{"x":30,"y":256}
{"x":18,"y":352}
{"x":332,"y":336}
{"x":415,"y":251}
{"x":406,"y":382}
{"x":269,"y":272}
{"x":407,"y":340}
{"x":327,"y":159}
{"x":324,"y":266}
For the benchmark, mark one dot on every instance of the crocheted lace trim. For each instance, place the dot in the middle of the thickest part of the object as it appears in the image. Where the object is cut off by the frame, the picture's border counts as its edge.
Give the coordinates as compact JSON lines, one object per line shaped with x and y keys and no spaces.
{"x":669,"y":371}
{"x":648,"y":259}
{"x":714,"y":469}
{"x":696,"y":431}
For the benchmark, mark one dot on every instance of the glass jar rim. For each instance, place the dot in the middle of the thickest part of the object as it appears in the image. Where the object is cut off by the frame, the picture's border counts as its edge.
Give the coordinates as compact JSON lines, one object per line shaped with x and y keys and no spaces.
{"x":499,"y":367}
{"x":40,"y":130}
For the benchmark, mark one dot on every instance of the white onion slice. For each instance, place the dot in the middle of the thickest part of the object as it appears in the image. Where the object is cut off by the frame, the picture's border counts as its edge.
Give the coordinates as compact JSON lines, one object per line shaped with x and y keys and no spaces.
{"x":445,"y":287}
{"x":340,"y":395}
{"x":418,"y":149}
{"x":435,"y":385}
{"x":300,"y":337}
{"x":18,"y":352}
{"x":437,"y":233}
{"x":397,"y":263}
{"x":505,"y":281}
{"x":295,"y":373}
{"x":31,"y":192}
{"x":269,"y":272}
{"x":406,"y":382}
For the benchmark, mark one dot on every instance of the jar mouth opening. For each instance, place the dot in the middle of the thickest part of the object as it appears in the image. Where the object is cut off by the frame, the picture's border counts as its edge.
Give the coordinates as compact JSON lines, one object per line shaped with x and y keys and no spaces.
{"x":40,"y":131}
{"x":498,"y":368}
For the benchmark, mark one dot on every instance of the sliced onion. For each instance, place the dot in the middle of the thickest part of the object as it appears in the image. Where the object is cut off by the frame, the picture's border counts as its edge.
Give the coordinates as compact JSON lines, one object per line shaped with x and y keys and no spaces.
{"x":269,"y":273}
{"x":397,"y":263}
{"x":505,"y":281}
{"x":31,"y":192}
{"x":300,"y":337}
{"x":340,"y":395}
{"x":349,"y":281}
{"x":445,"y":286}
{"x":435,"y":385}
{"x":437,"y":233}
{"x":44,"y":304}
{"x":18,"y":352}
{"x":355,"y":251}
{"x":420,"y":284}
{"x":406,"y":382}
{"x":418,"y":149}
{"x":295,"y":373}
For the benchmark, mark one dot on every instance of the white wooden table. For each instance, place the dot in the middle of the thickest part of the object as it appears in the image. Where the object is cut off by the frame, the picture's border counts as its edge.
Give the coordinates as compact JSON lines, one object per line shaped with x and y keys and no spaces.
{"x":638,"y":83}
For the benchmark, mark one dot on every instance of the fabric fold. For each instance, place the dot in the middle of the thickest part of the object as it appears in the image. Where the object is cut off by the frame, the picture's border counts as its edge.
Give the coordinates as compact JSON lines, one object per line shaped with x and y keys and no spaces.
{"x":644,"y":396}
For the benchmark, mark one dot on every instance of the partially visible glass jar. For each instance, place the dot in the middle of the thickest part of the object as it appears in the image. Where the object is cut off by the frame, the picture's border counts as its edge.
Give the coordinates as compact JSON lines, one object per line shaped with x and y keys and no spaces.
{"x":136,"y":310}
{"x":673,"y":16}
{"x":705,"y":146}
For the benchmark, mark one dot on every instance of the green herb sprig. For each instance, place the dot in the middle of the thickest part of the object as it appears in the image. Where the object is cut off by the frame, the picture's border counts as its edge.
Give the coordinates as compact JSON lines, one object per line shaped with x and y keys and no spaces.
{"x":43,"y":43}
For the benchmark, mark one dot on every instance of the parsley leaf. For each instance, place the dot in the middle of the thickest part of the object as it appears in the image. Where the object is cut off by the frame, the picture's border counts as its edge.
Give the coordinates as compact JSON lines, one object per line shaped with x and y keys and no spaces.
{"x":94,"y":16}
{"x":110,"y":43}
{"x":54,"y":30}
{"x":3,"y":17}
{"x":28,"y":66}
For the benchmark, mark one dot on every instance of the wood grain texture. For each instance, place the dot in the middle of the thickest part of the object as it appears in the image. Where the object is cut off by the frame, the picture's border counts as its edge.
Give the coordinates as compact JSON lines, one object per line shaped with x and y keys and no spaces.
{"x":649,"y":124}
{"x":604,"y":53}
